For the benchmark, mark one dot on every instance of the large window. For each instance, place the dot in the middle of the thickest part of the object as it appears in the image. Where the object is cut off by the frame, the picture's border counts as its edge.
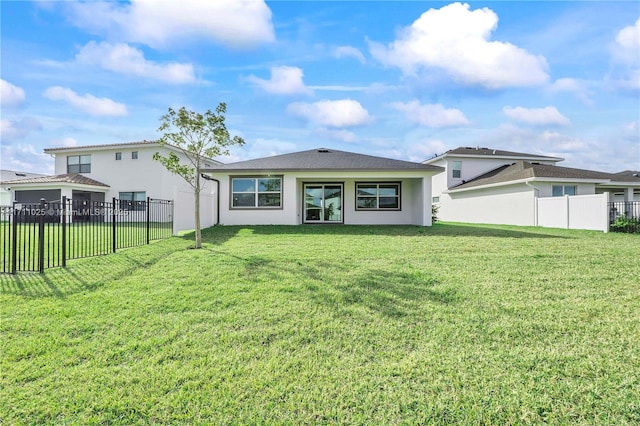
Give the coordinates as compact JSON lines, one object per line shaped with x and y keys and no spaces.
{"x":78,"y":164}
{"x":133,"y":200}
{"x":258,"y":192}
{"x":560,"y":190}
{"x":456,"y":169}
{"x":378,"y":196}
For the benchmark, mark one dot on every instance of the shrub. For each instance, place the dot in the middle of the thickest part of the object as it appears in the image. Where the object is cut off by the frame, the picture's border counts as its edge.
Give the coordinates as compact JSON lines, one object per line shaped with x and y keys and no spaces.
{"x":628,"y":224}
{"x":434,"y":213}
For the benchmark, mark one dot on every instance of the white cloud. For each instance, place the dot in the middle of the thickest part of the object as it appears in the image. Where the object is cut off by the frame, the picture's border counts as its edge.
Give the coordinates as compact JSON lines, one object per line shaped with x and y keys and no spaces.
{"x":431,"y":115}
{"x":11,"y":130}
{"x":67,"y":142}
{"x":348,"y":52}
{"x":124,"y":59}
{"x":235,"y":24}
{"x":87,"y":103}
{"x":457,"y":40}
{"x":580,"y":88}
{"x":626,"y":56}
{"x":262,"y":147}
{"x":633,"y":127}
{"x":284,"y":81}
{"x":536,"y":116}
{"x":560,"y":143}
{"x":10,"y":95}
{"x":341,"y":113}
{"x":341,"y":135}
{"x":26,"y":158}
{"x":269,"y":147}
{"x":627,"y":43}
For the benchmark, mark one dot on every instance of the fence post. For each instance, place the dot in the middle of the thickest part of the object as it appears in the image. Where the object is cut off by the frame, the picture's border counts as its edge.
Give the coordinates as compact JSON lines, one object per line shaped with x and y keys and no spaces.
{"x":64,"y":231}
{"x":41,"y":236}
{"x":148,"y":199}
{"x":113,"y":224}
{"x":14,"y":237}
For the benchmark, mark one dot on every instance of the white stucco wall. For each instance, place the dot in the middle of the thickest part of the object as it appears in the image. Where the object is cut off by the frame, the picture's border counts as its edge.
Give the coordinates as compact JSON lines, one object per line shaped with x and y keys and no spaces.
{"x":144,"y":174}
{"x":471,"y":168}
{"x":508,"y":205}
{"x":414,"y":188}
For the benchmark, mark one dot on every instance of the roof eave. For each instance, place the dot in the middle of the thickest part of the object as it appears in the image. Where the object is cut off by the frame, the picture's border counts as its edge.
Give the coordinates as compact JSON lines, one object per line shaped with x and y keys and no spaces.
{"x":115,"y":147}
{"x":529,"y":179}
{"x":55,"y":185}
{"x":490,"y":185}
{"x":431,"y":169}
{"x":501,"y":157}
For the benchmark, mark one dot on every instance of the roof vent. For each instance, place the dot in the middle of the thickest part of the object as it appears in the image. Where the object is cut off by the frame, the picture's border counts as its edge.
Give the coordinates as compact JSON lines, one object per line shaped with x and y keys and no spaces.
{"x":323,"y":150}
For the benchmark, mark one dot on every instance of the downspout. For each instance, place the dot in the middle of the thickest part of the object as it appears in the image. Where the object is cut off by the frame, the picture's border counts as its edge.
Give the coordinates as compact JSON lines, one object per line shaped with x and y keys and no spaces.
{"x":535,"y":204}
{"x":207,"y":177}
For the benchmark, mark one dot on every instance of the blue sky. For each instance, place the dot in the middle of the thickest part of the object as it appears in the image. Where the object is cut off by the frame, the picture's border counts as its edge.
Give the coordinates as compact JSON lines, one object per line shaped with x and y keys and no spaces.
{"x":404,"y":80}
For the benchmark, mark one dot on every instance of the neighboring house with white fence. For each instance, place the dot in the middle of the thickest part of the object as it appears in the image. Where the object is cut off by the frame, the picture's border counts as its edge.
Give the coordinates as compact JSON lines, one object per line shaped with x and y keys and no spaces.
{"x":125,"y":171}
{"x":482,"y":185}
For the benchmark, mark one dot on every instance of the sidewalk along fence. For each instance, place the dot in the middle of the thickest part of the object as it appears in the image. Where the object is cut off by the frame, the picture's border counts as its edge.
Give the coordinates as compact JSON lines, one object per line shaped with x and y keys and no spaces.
{"x":624,"y":216}
{"x":35,"y":236}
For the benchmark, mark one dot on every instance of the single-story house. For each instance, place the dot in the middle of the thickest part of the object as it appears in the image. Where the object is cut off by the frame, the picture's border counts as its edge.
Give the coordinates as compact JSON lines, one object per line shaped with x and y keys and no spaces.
{"x":324,"y":186}
{"x":8,"y":175}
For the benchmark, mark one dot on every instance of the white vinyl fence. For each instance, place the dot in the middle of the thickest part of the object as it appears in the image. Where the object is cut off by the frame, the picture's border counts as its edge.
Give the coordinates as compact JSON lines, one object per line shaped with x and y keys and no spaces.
{"x":573,"y":212}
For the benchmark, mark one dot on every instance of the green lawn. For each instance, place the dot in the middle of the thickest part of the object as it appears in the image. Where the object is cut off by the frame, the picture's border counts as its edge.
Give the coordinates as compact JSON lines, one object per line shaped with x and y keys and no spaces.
{"x":82,"y":240}
{"x":454,"y":324}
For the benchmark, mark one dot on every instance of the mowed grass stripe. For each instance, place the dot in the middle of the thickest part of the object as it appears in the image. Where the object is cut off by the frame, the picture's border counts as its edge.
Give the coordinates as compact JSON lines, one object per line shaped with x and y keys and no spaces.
{"x":454,"y":324}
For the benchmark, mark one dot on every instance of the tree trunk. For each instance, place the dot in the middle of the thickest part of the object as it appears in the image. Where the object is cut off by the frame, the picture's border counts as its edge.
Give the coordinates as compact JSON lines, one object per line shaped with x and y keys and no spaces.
{"x":196,"y":194}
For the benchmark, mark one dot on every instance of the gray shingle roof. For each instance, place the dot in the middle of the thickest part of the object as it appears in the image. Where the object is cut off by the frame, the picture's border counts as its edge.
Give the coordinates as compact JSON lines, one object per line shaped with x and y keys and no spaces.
{"x":323,"y":159}
{"x":74,"y":178}
{"x":626,"y":176}
{"x":489,"y":152}
{"x":524,"y":170}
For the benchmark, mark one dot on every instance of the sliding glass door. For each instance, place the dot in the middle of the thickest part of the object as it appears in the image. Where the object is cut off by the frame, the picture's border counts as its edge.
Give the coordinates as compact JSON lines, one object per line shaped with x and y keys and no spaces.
{"x":323,"y":203}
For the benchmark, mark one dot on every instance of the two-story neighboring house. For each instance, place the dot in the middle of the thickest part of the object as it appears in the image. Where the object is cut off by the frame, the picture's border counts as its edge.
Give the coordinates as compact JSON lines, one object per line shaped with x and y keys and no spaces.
{"x":125,"y":171}
{"x":483,"y":185}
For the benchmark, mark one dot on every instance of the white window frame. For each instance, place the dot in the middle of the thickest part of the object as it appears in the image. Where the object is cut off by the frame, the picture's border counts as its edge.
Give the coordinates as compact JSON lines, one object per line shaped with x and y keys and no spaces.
{"x":457,"y":169}
{"x":256,"y":193}
{"x":563,"y":189}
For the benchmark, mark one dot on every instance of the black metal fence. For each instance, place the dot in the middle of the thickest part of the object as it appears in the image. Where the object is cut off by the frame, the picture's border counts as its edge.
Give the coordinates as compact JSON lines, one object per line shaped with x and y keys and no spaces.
{"x":35,"y":236}
{"x":624,"y":216}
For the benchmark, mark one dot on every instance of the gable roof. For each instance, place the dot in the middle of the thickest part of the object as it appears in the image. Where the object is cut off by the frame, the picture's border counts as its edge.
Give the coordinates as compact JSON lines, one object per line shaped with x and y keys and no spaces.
{"x":523,"y":170}
{"x":323,"y":159}
{"x":73,"y":178}
{"x":489,"y":152}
